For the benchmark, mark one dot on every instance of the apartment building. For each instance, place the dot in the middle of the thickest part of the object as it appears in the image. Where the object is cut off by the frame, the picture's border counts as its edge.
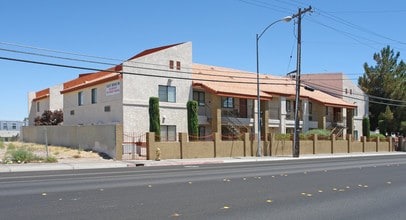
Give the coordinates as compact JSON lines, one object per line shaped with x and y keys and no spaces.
{"x":226,"y":97}
{"x":340,"y":86}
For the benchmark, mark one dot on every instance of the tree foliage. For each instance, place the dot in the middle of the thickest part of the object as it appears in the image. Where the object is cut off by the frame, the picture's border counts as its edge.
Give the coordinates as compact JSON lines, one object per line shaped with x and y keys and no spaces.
{"x":385,"y":79}
{"x":154,"y":122}
{"x":49,"y":117}
{"x":366,"y":127}
{"x":192,"y":117}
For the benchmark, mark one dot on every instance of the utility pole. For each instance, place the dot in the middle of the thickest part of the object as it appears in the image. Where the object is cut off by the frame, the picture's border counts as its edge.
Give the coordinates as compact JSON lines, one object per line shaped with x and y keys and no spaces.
{"x":295,"y":148}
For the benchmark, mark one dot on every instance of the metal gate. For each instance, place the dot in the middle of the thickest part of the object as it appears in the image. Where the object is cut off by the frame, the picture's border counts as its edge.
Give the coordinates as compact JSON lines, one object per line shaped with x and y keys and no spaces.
{"x":134,"y":147}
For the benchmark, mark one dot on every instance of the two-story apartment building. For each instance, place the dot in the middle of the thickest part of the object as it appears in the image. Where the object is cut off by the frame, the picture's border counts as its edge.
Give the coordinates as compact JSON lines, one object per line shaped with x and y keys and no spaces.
{"x":339,"y":85}
{"x":226,"y":97}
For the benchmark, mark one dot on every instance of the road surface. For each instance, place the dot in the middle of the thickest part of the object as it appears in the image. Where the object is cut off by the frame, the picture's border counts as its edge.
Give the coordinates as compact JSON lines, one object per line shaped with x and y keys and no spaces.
{"x":339,"y":188}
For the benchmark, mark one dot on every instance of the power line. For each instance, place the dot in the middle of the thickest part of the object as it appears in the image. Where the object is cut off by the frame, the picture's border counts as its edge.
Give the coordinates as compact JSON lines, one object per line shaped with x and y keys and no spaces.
{"x":183,"y":78}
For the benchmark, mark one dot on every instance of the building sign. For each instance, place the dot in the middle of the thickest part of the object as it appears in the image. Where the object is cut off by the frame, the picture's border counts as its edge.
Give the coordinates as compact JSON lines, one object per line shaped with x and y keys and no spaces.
{"x":113,"y":88}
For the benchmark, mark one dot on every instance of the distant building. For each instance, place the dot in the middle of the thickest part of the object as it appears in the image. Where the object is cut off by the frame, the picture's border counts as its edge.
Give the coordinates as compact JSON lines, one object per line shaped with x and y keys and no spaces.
{"x":340,"y":86}
{"x":46,"y":99}
{"x":10,"y":129}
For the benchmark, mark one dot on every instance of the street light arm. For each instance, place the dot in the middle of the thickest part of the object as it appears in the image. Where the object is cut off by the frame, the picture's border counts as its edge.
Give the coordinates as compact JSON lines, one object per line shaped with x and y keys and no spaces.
{"x":286,"y":19}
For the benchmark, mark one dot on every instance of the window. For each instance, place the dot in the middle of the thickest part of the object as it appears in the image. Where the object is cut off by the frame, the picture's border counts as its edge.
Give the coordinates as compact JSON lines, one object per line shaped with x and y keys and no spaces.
{"x":5,"y":126}
{"x":94,"y":96}
{"x":346,"y":91}
{"x":356,"y":111}
{"x":37,"y":106}
{"x":227,"y":102}
{"x":199,"y":97}
{"x":107,"y":108}
{"x":178,"y":65}
{"x":310,"y":108}
{"x":80,"y":98}
{"x":14,"y":126}
{"x":171,"y":64}
{"x":167,"y":93}
{"x":168,"y":133}
{"x":72,"y":112}
{"x":350,"y":91}
{"x":326,"y":110}
{"x":288,"y":106}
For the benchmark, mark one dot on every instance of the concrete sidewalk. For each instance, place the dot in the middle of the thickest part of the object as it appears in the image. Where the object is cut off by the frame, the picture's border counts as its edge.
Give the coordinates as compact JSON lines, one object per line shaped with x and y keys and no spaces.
{"x":75,"y":164}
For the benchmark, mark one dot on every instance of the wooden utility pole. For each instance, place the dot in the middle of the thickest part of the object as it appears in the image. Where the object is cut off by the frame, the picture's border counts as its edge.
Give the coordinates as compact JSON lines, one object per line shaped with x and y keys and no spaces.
{"x":296,"y":145}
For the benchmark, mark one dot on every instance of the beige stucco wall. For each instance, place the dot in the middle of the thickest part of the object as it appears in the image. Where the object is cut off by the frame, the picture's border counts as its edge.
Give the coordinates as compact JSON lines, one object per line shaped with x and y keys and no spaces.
{"x":53,"y":102}
{"x":101,"y":138}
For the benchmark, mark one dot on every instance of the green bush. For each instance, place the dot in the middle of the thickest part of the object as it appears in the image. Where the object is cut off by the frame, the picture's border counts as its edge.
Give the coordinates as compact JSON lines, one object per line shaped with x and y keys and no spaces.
{"x":320,"y":133}
{"x":280,"y":137}
{"x":192,"y":117}
{"x":22,"y":155}
{"x":154,"y":119}
{"x":380,"y":136}
{"x":2,"y":146}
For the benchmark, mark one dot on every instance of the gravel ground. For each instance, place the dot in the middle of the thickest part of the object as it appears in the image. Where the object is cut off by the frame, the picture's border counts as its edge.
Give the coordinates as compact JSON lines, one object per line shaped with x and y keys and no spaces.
{"x":62,"y":154}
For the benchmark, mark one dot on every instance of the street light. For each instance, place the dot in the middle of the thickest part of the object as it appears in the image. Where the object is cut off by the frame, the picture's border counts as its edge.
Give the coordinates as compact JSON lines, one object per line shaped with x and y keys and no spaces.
{"x":286,"y":19}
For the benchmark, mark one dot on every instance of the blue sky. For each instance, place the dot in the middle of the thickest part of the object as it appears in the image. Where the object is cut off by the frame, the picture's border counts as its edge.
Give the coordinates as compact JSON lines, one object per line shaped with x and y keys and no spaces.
{"x":339,"y":36}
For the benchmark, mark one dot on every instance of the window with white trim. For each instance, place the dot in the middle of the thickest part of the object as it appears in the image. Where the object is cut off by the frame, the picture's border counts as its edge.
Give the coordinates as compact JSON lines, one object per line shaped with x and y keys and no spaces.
{"x":168,"y":132}
{"x":167,"y":93}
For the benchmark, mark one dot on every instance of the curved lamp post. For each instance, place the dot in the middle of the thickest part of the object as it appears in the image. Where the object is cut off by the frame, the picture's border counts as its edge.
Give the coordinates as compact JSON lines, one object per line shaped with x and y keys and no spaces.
{"x":286,"y":19}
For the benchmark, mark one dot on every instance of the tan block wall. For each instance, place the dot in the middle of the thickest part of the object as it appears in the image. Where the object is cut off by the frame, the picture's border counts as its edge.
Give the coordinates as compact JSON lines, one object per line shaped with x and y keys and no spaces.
{"x":101,"y":138}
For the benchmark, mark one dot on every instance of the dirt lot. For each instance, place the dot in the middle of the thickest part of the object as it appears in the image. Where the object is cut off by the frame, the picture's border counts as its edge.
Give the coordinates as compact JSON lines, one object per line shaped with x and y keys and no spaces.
{"x":60,"y":153}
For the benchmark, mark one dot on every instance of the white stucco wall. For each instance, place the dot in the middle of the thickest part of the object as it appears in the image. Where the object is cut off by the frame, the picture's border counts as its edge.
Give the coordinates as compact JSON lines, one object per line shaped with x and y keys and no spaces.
{"x":95,"y":113}
{"x":141,"y":79}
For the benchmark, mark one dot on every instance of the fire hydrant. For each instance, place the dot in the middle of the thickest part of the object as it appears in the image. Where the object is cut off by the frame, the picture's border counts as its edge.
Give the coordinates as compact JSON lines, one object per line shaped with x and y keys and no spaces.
{"x":158,"y":154}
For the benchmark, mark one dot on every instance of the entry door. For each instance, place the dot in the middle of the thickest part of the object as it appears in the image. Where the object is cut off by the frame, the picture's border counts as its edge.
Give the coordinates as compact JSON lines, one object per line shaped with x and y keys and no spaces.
{"x":243,"y":108}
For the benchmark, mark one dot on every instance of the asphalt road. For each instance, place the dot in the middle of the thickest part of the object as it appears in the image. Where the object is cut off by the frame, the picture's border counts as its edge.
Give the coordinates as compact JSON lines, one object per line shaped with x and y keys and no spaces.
{"x":341,"y":188}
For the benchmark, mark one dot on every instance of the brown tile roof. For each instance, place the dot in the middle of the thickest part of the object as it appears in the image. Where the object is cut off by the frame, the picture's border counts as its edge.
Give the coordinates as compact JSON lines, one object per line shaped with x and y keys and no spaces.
{"x":226,"y":82}
{"x":229,"y":82}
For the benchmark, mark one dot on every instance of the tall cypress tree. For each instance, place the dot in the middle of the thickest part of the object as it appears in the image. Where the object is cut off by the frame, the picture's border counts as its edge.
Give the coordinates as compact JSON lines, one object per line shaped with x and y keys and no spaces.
{"x":193,"y":121}
{"x":154,"y":122}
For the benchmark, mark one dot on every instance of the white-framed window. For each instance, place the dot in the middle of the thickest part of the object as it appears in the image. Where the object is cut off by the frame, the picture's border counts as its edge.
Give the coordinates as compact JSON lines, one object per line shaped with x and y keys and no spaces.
{"x":94,"y":96}
{"x":227,"y":102}
{"x":168,"y":132}
{"x":80,"y":98}
{"x":167,"y":93}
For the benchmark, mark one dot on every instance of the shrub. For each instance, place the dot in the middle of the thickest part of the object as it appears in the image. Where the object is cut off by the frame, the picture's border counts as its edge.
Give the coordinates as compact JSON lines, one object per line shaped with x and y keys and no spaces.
{"x":21,"y":155}
{"x":193,"y":122}
{"x":154,"y":121}
{"x":380,"y":136}
{"x":322,"y":133}
{"x":366,"y":127}
{"x":280,"y":137}
{"x":51,"y":159}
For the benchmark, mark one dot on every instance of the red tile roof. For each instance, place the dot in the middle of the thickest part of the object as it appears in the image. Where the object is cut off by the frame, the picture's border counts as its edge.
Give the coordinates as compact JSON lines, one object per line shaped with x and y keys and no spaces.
{"x":237,"y":83}
{"x":152,"y":50}
{"x":92,"y":79}
{"x":41,"y":94}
